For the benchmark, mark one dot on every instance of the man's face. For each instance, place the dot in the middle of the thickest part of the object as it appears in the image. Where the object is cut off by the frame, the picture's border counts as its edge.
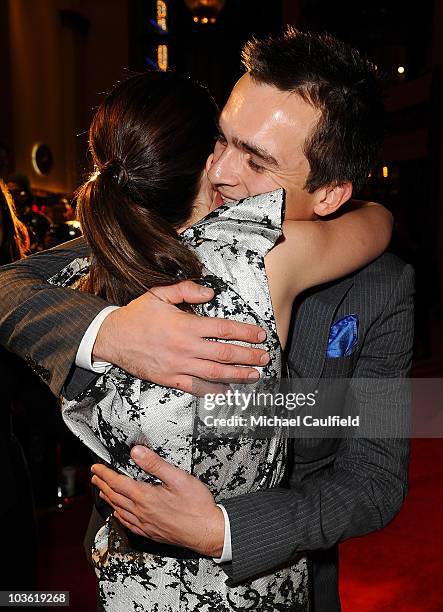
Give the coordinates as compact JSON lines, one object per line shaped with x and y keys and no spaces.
{"x":263,"y":131}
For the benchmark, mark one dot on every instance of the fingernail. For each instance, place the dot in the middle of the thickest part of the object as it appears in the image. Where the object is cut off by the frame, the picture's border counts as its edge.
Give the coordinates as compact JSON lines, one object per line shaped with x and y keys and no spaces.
{"x":205,"y":292}
{"x":254,"y":375}
{"x":264,"y":359}
{"x":137,"y":452}
{"x":261,"y":336}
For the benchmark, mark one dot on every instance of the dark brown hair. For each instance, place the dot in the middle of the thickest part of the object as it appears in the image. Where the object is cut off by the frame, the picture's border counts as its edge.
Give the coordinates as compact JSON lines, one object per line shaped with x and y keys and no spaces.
{"x":149,"y":141}
{"x":335,"y":79}
{"x":15,"y":243}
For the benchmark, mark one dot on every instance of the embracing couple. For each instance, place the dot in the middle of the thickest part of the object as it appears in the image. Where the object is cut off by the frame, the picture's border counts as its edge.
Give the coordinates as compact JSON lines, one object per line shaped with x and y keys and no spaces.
{"x":186,"y":243}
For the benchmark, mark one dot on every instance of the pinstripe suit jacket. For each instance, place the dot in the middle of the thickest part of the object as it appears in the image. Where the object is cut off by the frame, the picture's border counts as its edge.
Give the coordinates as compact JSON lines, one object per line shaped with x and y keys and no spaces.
{"x":337,"y":489}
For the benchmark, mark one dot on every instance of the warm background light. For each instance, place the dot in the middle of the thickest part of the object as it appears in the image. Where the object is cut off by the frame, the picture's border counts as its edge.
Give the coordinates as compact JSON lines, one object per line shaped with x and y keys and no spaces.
{"x":162,"y":14}
{"x":162,"y":57}
{"x":205,"y":11}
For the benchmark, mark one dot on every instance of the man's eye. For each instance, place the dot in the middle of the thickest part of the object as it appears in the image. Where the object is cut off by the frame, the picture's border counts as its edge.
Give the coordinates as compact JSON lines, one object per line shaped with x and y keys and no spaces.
{"x":255,"y":166}
{"x":221,"y":139}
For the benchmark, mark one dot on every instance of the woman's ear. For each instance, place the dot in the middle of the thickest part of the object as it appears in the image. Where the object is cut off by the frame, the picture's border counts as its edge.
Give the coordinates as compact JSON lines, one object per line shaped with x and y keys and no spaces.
{"x":331,"y":198}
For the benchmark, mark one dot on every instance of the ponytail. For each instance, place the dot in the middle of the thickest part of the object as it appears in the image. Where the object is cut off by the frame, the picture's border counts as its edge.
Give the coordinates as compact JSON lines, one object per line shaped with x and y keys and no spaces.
{"x":149,"y":141}
{"x":133,"y":248}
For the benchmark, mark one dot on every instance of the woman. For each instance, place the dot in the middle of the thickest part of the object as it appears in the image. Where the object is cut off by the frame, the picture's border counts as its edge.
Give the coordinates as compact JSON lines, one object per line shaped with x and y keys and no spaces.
{"x":17,"y":508}
{"x":149,"y":216}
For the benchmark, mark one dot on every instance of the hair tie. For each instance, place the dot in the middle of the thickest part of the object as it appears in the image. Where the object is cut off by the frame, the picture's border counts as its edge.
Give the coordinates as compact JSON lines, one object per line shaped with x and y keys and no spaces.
{"x":116,"y":169}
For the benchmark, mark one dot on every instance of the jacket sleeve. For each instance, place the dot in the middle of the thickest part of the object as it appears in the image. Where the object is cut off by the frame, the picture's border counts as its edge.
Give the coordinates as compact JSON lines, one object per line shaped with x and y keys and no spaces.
{"x":44,"y":324}
{"x":365,"y":485}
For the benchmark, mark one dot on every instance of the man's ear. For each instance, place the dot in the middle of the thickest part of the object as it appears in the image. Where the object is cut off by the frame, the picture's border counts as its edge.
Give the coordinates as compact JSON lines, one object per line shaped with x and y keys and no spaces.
{"x":331,"y":198}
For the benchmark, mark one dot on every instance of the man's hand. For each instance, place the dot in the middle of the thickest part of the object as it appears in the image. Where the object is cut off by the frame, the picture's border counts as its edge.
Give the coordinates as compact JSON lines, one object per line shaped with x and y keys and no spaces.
{"x":182,"y":511}
{"x":154,"y":340}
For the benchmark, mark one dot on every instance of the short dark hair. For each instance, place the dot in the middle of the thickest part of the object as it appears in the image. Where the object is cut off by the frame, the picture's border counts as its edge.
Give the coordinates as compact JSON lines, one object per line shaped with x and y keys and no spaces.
{"x":335,"y":79}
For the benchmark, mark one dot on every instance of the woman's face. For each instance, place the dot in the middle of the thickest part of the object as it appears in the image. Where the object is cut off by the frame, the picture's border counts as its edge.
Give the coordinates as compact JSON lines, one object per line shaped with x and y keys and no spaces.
{"x":205,"y":200}
{"x":211,"y":192}
{"x":203,"y":203}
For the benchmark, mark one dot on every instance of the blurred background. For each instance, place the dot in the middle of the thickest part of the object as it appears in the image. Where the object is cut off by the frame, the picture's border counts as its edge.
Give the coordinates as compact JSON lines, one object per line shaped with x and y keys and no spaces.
{"x":58,"y":57}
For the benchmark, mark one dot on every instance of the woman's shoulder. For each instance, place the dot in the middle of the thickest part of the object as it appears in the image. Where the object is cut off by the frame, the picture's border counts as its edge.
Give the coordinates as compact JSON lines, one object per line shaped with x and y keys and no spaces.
{"x":254,"y":223}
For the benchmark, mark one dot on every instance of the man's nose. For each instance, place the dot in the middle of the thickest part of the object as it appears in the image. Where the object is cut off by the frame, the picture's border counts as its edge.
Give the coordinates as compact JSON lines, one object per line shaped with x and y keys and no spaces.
{"x":224,"y":168}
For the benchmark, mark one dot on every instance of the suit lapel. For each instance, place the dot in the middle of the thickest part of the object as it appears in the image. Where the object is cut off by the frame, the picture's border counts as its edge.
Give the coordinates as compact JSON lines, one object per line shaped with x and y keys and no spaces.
{"x":312,"y":319}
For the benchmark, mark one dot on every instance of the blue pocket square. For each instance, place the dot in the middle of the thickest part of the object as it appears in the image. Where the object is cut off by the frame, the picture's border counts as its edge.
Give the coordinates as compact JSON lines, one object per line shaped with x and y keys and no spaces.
{"x":343,"y":337}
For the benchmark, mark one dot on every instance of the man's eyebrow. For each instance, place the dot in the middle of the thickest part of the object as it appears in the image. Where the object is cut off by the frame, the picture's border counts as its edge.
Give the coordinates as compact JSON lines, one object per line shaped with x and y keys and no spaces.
{"x":257,"y":151}
{"x":252,"y":149}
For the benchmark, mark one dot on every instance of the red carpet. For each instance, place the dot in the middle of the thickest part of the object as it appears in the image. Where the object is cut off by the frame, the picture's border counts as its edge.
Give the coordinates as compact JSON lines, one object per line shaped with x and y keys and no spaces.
{"x":399,"y":569}
{"x":62,"y":562}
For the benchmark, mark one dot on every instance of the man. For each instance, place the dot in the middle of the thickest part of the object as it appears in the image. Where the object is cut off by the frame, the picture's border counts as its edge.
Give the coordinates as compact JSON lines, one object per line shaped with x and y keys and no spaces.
{"x":305,"y":117}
